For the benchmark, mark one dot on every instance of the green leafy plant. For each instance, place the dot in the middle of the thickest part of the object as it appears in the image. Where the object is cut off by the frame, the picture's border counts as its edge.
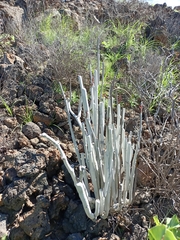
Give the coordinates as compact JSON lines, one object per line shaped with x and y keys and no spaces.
{"x":6,"y":41}
{"x":4,"y":238}
{"x":170,"y":230}
{"x":167,"y":80}
{"x":74,"y":97}
{"x":120,"y":50}
{"x":49,"y":33}
{"x":8,"y":108}
{"x":28,"y":116}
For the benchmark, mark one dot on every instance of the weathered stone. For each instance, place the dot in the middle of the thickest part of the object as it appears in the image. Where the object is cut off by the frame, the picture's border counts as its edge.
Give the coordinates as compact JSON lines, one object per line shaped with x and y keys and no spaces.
{"x":177,"y":8}
{"x":35,"y":223}
{"x":60,"y":115}
{"x":34,"y":92}
{"x":17,"y":233}
{"x":10,"y":158}
{"x":20,"y":113}
{"x":40,"y":117}
{"x":77,"y":132}
{"x":12,"y":16}
{"x":59,"y":186}
{"x":75,"y":218}
{"x":15,"y":195}
{"x":29,"y":162}
{"x":34,"y":141}
{"x":46,"y":105}
{"x":3,"y":225}
{"x":67,"y":176}
{"x":71,"y":148}
{"x":54,"y":162}
{"x":95,"y":228}
{"x":9,"y":58}
{"x":23,"y":141}
{"x":22,"y":4}
{"x":59,"y":202}
{"x":10,"y":122}
{"x":42,"y":201}
{"x":27,"y":170}
{"x":11,"y":73}
{"x":39,"y":183}
{"x":9,"y":175}
{"x":31,"y":130}
{"x":138,"y":232}
{"x":114,"y":237}
{"x":75,"y":236}
{"x":149,"y":209}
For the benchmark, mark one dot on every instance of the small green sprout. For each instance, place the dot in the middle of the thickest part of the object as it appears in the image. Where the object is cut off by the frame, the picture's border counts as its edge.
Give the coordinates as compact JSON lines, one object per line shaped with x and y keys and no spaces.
{"x":8,"y":108}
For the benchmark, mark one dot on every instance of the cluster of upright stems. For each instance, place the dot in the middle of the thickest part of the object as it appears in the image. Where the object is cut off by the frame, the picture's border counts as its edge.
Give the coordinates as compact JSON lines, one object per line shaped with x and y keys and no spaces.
{"x":109,"y":156}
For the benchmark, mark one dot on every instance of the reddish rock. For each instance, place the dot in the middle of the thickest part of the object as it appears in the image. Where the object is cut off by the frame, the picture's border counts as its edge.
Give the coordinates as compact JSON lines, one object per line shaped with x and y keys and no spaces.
{"x":10,"y":157}
{"x":9,"y":58}
{"x":11,"y":122}
{"x":35,"y":223}
{"x":54,"y":161}
{"x":60,"y":115}
{"x":54,"y":155}
{"x":34,"y":141}
{"x":23,"y":141}
{"x":43,"y":118}
{"x":71,"y":148}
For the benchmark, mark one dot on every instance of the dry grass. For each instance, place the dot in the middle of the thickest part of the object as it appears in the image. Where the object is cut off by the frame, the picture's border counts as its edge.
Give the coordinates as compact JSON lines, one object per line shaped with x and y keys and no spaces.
{"x":162,"y":141}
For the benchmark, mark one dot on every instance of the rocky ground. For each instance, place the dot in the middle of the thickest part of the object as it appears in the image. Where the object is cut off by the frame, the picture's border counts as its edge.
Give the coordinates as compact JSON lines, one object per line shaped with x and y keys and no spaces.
{"x":37,"y":196}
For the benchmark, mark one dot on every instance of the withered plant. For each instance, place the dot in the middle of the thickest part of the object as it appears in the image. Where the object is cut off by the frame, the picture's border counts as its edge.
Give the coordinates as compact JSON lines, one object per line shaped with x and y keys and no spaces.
{"x":161,"y":139}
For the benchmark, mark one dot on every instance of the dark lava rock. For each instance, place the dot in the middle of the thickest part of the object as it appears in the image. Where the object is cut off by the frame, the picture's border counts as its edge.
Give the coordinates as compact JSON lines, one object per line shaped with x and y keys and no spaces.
{"x":15,"y":195}
{"x":67,"y":176}
{"x":31,"y":130}
{"x":18,"y":234}
{"x":58,"y":202}
{"x":9,"y":175}
{"x":34,"y":92}
{"x":74,"y":236}
{"x":60,"y":186}
{"x":138,"y":233}
{"x":36,"y":223}
{"x":43,"y":118}
{"x":29,"y":162}
{"x":40,"y":184}
{"x":96,"y":228}
{"x":75,"y":218}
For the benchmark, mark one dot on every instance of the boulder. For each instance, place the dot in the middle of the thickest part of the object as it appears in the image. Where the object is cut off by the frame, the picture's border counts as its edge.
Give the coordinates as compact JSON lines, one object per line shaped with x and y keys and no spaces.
{"x":31,"y":130}
{"x":10,"y":17}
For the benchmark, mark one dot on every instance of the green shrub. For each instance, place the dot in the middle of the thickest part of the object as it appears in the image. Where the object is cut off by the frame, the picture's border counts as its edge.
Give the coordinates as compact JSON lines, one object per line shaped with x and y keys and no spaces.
{"x":170,"y":230}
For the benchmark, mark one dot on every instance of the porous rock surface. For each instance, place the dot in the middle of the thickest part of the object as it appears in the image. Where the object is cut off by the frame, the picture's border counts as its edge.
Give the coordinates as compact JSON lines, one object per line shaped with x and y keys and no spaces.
{"x":37,"y":196}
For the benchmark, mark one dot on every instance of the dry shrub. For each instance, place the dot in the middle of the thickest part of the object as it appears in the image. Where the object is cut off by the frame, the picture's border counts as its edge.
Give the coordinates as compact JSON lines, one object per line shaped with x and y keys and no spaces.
{"x":161,"y":140}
